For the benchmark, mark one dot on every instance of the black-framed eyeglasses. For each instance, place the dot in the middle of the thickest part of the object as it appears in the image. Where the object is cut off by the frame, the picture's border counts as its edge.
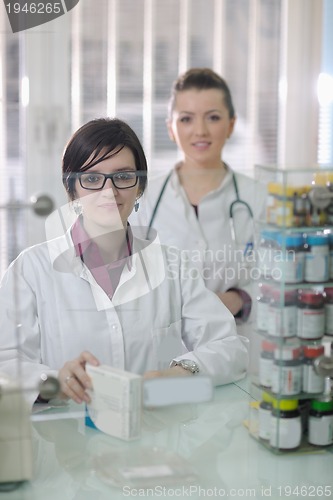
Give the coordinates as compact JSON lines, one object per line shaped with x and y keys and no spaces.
{"x":121,"y":180}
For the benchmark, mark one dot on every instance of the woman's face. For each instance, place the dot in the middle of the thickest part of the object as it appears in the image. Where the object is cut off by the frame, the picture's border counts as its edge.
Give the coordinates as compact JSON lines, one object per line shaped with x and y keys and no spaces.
{"x":109,"y":207}
{"x":200,"y":125}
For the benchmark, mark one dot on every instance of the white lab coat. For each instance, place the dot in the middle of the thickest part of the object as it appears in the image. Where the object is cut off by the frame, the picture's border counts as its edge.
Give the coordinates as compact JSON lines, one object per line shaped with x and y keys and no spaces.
{"x":206,"y":241}
{"x":156,"y":314}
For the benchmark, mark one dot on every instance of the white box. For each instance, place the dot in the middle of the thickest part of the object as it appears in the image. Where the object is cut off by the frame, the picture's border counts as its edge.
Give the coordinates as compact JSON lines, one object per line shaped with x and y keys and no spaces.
{"x":177,"y":390}
{"x":115,"y":406}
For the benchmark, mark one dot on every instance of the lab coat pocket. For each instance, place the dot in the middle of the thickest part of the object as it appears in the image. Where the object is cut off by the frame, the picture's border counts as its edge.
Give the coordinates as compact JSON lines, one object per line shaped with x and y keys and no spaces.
{"x":167,"y":344}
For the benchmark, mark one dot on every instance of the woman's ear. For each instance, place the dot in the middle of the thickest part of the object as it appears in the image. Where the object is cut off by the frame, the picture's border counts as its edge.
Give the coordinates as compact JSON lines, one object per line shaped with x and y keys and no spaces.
{"x":231,"y":126}
{"x":170,"y":131}
{"x":139,"y":193}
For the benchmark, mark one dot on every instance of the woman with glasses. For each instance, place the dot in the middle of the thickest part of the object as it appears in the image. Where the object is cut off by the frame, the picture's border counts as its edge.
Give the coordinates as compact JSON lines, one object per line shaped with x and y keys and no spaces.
{"x":98,"y":294}
{"x":202,"y":206}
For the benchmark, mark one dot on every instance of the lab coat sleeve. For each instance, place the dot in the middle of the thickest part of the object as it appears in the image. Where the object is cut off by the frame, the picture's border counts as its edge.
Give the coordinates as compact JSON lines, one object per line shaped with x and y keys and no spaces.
{"x":20,"y":347}
{"x":209,"y":332}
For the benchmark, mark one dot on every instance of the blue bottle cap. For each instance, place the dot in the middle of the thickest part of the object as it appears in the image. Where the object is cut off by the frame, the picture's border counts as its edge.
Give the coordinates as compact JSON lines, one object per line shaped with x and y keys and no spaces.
{"x":269,"y":234}
{"x":317,"y":239}
{"x":291,"y":240}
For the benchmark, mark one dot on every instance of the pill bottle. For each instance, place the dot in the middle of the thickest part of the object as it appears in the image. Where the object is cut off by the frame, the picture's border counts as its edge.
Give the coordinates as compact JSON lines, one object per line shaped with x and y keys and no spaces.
{"x":312,"y":383}
{"x":322,"y":178}
{"x":316,"y":257}
{"x":318,"y":215}
{"x":330,"y":264}
{"x":266,"y":252}
{"x":263,"y":300}
{"x":282,"y":313}
{"x":289,"y":258}
{"x":266,"y":361}
{"x":265,"y":410}
{"x":286,"y":427}
{"x":285,"y":206}
{"x":304,"y":206}
{"x":320,"y":431}
{"x":300,"y":205}
{"x":287,"y":370}
{"x":310,"y":314}
{"x":328,"y":292}
{"x":304,"y":408}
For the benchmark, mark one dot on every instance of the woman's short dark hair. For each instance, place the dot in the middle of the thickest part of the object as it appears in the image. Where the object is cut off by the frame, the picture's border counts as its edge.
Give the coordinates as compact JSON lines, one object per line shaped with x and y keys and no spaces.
{"x":96,"y":141}
{"x":201,"y":79}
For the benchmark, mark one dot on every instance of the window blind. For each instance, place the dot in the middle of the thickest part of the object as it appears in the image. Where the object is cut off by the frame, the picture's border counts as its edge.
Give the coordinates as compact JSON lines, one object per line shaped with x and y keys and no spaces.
{"x":154,"y":40}
{"x":125,"y":56}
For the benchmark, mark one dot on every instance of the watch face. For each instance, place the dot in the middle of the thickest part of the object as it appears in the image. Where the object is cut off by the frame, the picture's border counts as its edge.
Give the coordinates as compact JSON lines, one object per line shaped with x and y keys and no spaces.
{"x":188,"y":364}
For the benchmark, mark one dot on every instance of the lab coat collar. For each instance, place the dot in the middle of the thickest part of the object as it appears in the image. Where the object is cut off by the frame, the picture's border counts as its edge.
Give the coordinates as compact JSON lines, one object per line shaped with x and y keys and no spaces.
{"x":86,"y":247}
{"x":62,"y":250}
{"x":147,"y":273}
{"x":174,"y":181}
{"x":179,"y":191}
{"x":227,"y":178}
{"x":148,"y":268}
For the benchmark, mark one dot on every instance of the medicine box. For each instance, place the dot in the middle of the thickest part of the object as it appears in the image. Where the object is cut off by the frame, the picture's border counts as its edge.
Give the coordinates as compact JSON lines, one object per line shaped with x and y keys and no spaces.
{"x":115,"y":406}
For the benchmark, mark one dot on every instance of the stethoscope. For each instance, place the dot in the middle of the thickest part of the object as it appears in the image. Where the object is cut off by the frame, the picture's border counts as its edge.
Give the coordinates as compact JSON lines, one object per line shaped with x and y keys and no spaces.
{"x":236,"y":203}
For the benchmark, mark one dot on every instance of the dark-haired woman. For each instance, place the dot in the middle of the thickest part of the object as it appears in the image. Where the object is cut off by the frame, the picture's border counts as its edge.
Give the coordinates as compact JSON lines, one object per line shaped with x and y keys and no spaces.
{"x":98,"y":294}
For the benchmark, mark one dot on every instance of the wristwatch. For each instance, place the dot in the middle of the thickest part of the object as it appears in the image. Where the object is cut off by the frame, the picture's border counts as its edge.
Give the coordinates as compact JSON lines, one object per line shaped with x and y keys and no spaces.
{"x":187,"y":364}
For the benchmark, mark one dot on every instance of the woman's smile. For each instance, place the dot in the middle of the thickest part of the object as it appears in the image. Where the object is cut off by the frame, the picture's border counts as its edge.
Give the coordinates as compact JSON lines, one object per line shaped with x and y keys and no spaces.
{"x":201,"y":145}
{"x":109,"y":205}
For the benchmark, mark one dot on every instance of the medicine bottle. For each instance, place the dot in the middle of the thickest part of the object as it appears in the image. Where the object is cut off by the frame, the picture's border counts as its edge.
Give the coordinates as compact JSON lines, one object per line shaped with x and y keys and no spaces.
{"x":330,"y":259}
{"x":328,"y":311}
{"x":289,"y":259}
{"x":265,"y":410}
{"x":282,"y":313}
{"x":310,"y":314}
{"x":301,"y":205}
{"x":286,"y":428}
{"x":263,"y":300}
{"x":266,"y":252}
{"x":285,"y":206}
{"x":320,"y":429}
{"x":318,"y":215}
{"x":316,"y":257}
{"x":304,"y":408}
{"x":311,"y":381}
{"x":266,"y":362}
{"x":287,"y":370}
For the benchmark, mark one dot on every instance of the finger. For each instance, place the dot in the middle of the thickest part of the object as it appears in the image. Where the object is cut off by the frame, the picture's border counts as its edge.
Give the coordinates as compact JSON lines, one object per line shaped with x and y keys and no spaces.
{"x":81,"y":375}
{"x":73,"y":378}
{"x":84,"y":358}
{"x":74,"y":389}
{"x":87,"y":357}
